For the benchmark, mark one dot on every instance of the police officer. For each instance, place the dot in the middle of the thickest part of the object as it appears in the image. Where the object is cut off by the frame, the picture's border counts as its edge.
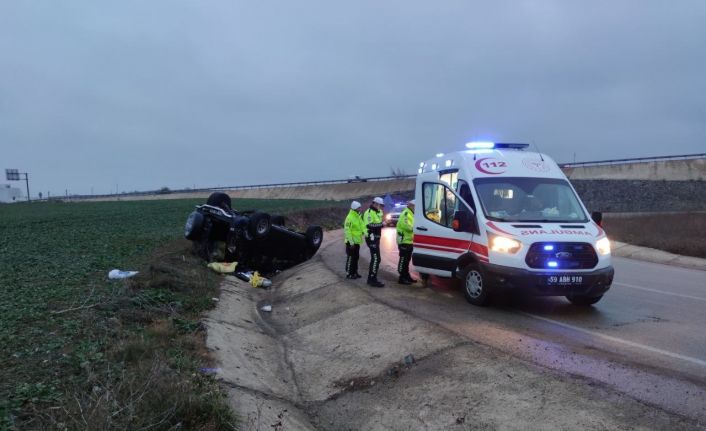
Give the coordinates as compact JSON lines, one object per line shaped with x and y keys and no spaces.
{"x":372,"y":218}
{"x":354,"y":230}
{"x":405,"y":238}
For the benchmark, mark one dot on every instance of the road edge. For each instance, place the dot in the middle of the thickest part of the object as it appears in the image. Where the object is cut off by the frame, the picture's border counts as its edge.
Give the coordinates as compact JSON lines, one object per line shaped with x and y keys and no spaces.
{"x":653,"y":255}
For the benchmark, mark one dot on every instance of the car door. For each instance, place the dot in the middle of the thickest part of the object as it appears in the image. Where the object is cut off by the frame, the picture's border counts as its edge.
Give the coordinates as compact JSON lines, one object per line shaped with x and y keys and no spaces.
{"x":437,"y":245}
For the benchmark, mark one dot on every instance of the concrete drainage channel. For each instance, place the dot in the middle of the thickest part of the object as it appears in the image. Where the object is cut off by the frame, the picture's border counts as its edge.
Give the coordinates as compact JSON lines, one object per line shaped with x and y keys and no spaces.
{"x":329,"y":356}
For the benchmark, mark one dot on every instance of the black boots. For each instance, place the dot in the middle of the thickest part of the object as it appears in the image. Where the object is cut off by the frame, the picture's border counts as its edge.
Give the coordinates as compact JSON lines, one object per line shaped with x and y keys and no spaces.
{"x":406,"y":279}
{"x":374,"y":282}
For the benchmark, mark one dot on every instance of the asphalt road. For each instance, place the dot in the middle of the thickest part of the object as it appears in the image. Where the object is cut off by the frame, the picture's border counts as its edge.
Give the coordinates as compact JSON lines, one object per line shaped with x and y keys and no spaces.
{"x":645,"y":338}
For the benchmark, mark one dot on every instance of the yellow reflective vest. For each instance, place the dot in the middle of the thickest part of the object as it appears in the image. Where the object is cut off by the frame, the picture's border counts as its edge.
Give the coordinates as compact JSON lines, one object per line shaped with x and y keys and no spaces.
{"x":372,"y":219}
{"x":354,"y":228}
{"x":405,"y":225}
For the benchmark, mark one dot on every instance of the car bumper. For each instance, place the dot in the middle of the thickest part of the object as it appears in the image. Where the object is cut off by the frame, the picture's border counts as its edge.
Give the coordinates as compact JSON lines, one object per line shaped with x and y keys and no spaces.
{"x":504,"y":278}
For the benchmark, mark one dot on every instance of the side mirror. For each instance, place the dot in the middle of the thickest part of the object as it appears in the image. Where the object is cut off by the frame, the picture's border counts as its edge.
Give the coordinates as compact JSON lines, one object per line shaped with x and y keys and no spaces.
{"x":597,"y":217}
{"x":462,"y":222}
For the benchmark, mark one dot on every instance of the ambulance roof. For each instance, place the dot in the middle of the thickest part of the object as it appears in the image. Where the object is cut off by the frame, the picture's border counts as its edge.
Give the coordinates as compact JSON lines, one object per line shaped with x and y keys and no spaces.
{"x":495,"y":162}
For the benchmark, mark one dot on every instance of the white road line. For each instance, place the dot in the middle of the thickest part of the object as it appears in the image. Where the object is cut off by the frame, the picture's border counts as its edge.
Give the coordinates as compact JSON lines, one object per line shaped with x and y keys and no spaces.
{"x":696,"y":361}
{"x":632,"y":286}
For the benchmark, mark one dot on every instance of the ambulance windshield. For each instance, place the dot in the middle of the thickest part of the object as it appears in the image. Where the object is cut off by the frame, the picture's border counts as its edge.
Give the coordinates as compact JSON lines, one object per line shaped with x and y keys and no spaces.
{"x":518,"y":199}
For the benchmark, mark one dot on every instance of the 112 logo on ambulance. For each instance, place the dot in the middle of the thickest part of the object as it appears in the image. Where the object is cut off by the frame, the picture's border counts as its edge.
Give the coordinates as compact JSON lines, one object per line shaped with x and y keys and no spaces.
{"x":491,"y":166}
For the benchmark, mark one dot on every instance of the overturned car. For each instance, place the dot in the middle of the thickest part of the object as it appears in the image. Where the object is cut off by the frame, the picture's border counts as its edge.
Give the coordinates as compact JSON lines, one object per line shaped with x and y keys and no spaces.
{"x":254,"y":239}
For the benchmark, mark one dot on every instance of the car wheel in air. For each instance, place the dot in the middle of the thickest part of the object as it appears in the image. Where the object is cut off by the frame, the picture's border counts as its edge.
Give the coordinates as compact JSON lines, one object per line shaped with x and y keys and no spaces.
{"x":193,"y":229}
{"x":220,"y":200}
{"x":259,"y":225}
{"x":314,"y":237}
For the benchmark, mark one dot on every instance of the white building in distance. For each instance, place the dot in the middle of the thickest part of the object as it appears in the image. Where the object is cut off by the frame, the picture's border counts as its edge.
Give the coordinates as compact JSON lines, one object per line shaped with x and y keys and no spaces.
{"x":9,"y":194}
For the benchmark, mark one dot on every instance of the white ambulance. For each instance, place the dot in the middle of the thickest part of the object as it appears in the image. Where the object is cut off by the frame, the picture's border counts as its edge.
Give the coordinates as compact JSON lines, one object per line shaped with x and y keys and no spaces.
{"x":505,"y":219}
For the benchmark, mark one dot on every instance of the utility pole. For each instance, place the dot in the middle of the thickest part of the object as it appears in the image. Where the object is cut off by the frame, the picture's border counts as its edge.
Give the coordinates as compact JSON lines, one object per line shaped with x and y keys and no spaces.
{"x":27,"y":183}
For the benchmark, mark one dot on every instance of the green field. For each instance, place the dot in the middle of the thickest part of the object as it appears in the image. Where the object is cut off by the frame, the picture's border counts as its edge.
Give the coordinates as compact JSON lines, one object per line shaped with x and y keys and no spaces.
{"x":80,"y":351}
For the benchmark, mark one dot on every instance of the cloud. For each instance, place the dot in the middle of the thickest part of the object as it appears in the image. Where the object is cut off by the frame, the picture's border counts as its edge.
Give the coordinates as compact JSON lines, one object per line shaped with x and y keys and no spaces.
{"x":181,"y":93}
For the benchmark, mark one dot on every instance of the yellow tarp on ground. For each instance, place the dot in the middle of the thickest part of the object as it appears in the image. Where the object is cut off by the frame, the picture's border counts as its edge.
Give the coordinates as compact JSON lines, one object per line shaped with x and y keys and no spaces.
{"x":223,"y":267}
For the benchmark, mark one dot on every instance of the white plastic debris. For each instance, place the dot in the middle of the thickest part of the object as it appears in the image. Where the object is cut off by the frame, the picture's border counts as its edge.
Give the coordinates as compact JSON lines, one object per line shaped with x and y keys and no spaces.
{"x":267,"y":308}
{"x":117,"y":274}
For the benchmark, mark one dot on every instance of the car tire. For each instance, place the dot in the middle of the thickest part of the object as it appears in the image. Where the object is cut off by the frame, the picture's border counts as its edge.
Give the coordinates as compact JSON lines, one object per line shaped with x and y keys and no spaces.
{"x":220,"y":200}
{"x":474,"y":287}
{"x":194,"y":226}
{"x":314,"y":237}
{"x":583,"y":300}
{"x":277,"y":220}
{"x":259,"y":225}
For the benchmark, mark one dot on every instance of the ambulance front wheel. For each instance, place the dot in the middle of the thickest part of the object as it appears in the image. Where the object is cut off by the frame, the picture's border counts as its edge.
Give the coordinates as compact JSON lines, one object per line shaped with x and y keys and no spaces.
{"x":474,"y":287}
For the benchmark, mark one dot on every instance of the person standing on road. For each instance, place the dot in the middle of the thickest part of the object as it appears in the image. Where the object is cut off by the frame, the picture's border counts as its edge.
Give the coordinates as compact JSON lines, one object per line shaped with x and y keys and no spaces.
{"x":354,"y":230}
{"x":373,"y":225}
{"x":405,"y":239}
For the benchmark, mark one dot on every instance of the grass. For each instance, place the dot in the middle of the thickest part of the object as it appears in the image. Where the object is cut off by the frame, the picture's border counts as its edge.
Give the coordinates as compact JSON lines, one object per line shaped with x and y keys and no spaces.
{"x":78,"y":351}
{"x":680,"y":233}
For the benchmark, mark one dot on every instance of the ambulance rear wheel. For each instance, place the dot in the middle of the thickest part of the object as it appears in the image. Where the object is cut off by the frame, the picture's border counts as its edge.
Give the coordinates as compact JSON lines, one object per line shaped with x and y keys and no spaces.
{"x":474,"y":287}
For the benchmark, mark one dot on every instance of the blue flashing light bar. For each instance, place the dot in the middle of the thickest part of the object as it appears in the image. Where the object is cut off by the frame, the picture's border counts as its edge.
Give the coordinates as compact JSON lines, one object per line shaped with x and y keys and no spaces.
{"x":480,"y":145}
{"x":548,"y":247}
{"x":485,"y":145}
{"x":552,"y":264}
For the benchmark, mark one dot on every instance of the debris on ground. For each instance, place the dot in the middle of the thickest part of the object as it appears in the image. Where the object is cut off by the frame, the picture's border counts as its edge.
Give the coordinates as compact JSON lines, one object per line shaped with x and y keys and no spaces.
{"x":117,"y":274}
{"x":266,"y":308}
{"x":223,"y":267}
{"x":254,"y":278}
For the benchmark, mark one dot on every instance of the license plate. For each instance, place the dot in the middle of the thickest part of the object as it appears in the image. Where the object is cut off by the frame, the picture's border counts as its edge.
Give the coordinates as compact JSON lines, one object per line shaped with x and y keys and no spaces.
{"x":564,"y":280}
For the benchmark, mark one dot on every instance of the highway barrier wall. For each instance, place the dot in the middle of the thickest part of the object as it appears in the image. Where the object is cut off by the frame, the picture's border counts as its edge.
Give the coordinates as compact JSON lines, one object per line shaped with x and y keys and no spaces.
{"x":641,"y":195}
{"x":331,"y":191}
{"x":673,"y":183}
{"x":659,"y":170}
{"x":337,"y":191}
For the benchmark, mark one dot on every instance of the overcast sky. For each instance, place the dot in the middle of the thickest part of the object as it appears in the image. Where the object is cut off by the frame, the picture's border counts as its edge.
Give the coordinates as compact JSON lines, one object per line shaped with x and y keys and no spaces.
{"x":145,"y":94}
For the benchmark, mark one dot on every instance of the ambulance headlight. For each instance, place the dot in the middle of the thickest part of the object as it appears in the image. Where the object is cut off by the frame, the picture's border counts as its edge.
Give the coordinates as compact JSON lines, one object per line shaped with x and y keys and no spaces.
{"x":502,"y":244}
{"x":603,"y":246}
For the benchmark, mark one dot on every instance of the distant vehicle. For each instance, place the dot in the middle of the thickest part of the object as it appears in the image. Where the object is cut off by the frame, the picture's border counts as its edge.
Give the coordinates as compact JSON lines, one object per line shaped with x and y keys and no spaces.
{"x":357,"y":179}
{"x":392,"y":217}
{"x":506,"y":220}
{"x":254,"y":239}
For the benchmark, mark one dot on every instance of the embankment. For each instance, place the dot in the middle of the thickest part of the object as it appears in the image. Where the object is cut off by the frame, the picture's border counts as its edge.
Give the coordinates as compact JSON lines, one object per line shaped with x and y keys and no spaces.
{"x":331,"y":355}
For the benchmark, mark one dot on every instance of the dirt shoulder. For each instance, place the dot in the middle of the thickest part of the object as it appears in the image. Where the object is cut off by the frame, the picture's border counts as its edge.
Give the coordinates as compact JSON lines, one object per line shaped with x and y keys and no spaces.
{"x":331,"y":356}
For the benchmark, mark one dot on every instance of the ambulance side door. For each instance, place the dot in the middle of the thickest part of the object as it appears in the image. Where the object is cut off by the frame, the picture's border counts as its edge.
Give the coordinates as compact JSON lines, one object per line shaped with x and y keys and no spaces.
{"x":437,"y":245}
